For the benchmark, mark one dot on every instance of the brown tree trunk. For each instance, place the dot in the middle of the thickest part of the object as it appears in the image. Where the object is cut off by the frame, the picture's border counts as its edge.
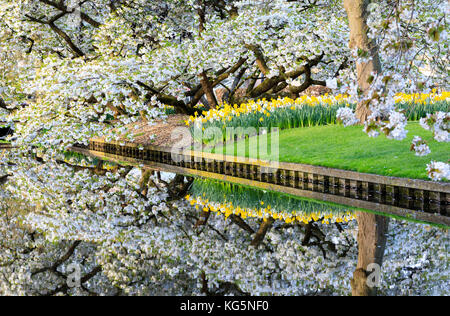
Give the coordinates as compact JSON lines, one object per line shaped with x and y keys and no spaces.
{"x":208,"y":90}
{"x":372,"y":231}
{"x":372,"y":228}
{"x":201,"y":17}
{"x":143,"y":182}
{"x":3,"y":104}
{"x":204,"y":80}
{"x":357,"y":17}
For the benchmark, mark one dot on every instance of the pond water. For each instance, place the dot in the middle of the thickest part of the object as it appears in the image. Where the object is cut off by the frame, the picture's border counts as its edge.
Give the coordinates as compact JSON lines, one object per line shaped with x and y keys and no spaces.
{"x":166,"y":253}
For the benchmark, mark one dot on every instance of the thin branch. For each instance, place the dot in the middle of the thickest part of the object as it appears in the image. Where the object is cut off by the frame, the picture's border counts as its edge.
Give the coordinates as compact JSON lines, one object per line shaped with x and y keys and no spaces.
{"x":266,"y":225}
{"x":59,"y":262}
{"x":62,"y":7}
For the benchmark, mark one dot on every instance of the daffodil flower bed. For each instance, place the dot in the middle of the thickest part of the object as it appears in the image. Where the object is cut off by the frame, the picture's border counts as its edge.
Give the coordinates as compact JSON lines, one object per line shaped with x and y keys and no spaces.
{"x":229,"y":115}
{"x":305,"y":111}
{"x":422,"y":98}
{"x":228,"y":199}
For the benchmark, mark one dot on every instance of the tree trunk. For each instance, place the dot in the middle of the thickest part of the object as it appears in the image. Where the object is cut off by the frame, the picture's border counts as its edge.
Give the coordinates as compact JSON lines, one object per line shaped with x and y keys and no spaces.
{"x":357,"y":17}
{"x":372,"y":228}
{"x":3,"y":104}
{"x":143,"y":182}
{"x":208,"y":90}
{"x":204,"y":80}
{"x":372,"y":231}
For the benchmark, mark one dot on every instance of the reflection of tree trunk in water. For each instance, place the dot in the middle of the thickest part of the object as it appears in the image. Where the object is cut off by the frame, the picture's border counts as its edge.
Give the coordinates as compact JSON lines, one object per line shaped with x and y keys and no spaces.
{"x":3,"y":104}
{"x":372,"y":231}
{"x":265,"y":226}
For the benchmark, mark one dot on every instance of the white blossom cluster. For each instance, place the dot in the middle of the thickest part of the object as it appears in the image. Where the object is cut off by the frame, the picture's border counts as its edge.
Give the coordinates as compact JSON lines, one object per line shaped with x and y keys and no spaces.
{"x":347,"y":116}
{"x":439,"y":123}
{"x":395,"y":128}
{"x":420,"y":146}
{"x":438,"y":170}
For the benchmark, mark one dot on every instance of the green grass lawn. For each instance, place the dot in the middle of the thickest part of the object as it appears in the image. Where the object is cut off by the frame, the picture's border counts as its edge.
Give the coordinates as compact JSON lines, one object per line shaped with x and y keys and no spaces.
{"x":349,"y":148}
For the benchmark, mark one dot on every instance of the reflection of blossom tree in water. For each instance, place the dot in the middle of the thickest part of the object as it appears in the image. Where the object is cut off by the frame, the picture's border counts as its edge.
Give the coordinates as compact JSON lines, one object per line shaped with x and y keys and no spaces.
{"x":75,"y":81}
{"x":414,"y":264}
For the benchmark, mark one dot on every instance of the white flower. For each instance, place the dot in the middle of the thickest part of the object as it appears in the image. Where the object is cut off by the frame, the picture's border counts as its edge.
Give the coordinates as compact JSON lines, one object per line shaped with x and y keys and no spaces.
{"x":420,"y":146}
{"x":424,"y":124}
{"x":441,"y":135}
{"x":422,"y":150}
{"x":399,"y":133}
{"x":332,"y":83}
{"x":439,"y":123}
{"x":395,"y":128}
{"x":373,"y":133}
{"x":438,"y":170}
{"x":347,"y":116}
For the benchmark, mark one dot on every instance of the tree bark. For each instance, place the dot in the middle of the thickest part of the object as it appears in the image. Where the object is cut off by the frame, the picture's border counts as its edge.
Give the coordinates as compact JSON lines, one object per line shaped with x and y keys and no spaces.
{"x":357,"y":17}
{"x":213,"y":83}
{"x":208,"y":89}
{"x":372,"y":231}
{"x":4,"y":179}
{"x":260,"y":60}
{"x":204,"y":80}
{"x":371,"y":228}
{"x":204,"y":216}
{"x":143,"y":182}
{"x":3,"y":104}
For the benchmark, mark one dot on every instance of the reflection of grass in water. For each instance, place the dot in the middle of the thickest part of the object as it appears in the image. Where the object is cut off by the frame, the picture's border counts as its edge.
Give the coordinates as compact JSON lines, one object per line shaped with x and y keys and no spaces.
{"x":75,"y":158}
{"x":245,"y":197}
{"x":250,"y":202}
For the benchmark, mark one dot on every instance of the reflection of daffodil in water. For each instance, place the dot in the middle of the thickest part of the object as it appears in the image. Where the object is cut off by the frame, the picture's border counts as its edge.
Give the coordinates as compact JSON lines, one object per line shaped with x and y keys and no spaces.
{"x":227,"y":209}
